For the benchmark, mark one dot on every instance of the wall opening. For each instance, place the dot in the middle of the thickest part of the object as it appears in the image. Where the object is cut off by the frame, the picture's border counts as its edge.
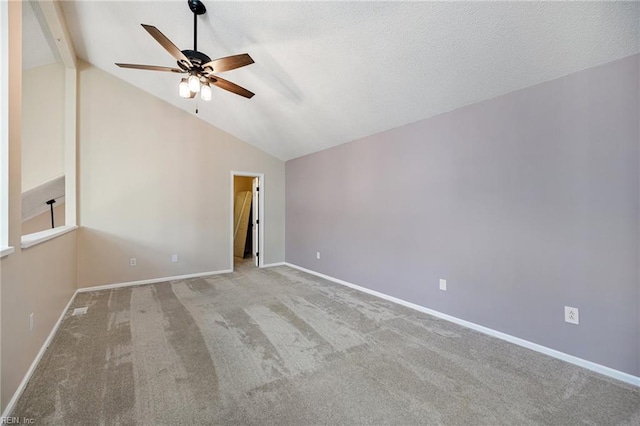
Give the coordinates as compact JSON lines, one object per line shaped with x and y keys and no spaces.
{"x":247,"y":222}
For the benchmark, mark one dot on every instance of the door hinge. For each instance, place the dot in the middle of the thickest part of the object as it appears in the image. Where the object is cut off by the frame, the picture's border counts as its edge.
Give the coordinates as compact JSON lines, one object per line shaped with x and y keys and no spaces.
{"x":258,"y":222}
{"x":257,"y":189}
{"x":257,"y":254}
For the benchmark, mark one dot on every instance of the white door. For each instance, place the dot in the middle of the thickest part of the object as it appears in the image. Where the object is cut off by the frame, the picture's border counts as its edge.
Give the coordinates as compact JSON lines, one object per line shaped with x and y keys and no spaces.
{"x":256,"y":220}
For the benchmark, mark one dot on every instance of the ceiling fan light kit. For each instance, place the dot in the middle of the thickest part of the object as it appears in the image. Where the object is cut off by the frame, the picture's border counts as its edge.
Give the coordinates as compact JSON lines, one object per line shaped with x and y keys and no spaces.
{"x":194,"y":83}
{"x":205,"y":92}
{"x":183,"y":88}
{"x":198,"y":65}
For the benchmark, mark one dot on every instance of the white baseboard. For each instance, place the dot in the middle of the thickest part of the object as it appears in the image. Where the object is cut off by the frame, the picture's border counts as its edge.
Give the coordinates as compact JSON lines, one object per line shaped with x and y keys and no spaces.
{"x":598,"y":368}
{"x":23,"y":384}
{"x":271,"y":265}
{"x":152,"y":281}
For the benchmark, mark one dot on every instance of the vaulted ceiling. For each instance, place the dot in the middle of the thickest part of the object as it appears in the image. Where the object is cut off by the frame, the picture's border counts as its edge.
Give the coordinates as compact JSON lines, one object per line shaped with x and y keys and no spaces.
{"x":35,"y":44}
{"x":326,"y":73}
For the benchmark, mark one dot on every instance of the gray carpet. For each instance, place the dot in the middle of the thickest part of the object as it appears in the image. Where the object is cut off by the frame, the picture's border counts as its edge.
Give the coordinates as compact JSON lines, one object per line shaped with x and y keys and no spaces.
{"x":278,"y":346}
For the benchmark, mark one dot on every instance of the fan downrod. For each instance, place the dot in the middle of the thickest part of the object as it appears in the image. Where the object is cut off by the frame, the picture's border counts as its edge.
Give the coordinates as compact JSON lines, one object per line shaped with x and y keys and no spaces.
{"x":197,"y":7}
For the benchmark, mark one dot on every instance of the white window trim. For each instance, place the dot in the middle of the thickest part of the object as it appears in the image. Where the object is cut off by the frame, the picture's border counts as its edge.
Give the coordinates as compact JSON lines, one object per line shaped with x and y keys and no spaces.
{"x":5,"y":249}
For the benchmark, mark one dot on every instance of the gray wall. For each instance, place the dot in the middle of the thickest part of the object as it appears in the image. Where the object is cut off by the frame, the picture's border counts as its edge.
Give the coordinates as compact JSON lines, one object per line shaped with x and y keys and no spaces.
{"x":524,"y":203}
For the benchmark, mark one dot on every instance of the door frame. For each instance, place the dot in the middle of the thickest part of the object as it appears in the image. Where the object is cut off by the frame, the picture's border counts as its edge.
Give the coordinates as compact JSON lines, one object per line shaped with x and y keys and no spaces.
{"x":260,"y":217}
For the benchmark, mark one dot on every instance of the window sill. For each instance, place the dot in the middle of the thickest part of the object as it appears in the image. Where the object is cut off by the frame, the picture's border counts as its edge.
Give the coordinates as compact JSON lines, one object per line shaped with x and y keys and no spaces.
{"x":31,"y":240}
{"x":6,"y":251}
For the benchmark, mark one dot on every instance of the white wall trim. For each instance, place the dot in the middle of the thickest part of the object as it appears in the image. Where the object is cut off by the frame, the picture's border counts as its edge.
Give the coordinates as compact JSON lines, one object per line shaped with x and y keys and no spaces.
{"x":10,"y":406}
{"x":4,"y":124}
{"x":70,"y":142}
{"x":152,"y":281}
{"x":271,"y":265}
{"x":589,"y":365}
{"x":30,"y":240}
{"x":6,"y":251}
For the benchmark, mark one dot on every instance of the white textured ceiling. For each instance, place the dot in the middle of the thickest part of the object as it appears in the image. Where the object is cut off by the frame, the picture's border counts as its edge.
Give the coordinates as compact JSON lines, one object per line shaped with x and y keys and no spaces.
{"x":36,"y":50}
{"x":327,"y":73}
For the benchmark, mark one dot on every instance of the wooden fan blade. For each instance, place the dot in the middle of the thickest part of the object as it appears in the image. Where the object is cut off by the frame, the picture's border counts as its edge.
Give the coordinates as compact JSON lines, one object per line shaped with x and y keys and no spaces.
{"x":167,"y":44}
{"x":231,"y":87}
{"x":150,"y":67}
{"x":229,"y":63}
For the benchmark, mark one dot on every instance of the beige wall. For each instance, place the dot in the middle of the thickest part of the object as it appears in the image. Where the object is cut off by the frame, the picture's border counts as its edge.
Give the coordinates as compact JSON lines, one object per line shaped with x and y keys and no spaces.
{"x":40,"y":279}
{"x":42,"y":125}
{"x":155,"y":181}
{"x":43,"y":220}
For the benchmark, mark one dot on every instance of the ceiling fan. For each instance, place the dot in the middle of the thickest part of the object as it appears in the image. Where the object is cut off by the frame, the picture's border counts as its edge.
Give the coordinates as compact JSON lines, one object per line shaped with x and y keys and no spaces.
{"x":199,"y":66}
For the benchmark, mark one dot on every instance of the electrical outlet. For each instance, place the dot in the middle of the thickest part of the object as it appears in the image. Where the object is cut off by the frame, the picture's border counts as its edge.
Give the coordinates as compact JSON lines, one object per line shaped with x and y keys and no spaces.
{"x":571,"y":315}
{"x":31,"y":321}
{"x":317,"y":255}
{"x":443,"y":284}
{"x":174,"y":258}
{"x":133,"y":261}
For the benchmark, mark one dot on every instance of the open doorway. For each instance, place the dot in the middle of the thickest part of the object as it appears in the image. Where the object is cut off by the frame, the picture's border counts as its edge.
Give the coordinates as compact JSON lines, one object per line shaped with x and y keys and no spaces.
{"x":247,"y":229}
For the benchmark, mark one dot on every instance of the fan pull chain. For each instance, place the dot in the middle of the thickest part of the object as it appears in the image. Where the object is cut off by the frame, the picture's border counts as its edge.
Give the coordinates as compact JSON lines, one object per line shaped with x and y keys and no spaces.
{"x":196,"y":105}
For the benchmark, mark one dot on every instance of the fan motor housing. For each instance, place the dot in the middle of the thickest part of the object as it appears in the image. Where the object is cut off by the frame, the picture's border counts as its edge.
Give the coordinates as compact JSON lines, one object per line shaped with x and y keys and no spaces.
{"x":197,"y":59}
